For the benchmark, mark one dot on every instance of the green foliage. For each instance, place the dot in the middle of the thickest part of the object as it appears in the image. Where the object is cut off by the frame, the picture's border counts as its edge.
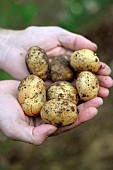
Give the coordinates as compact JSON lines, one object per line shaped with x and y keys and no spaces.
{"x":4,"y":75}
{"x":81,"y":14}
{"x":17,"y":14}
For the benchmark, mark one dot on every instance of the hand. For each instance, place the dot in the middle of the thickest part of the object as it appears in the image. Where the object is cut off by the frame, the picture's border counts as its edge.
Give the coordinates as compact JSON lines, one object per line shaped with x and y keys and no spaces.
{"x":54,"y":40}
{"x":88,"y":109}
{"x":16,"y":125}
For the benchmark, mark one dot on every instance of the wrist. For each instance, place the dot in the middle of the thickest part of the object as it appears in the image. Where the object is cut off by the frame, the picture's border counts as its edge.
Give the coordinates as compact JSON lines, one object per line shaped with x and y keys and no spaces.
{"x":5,"y":43}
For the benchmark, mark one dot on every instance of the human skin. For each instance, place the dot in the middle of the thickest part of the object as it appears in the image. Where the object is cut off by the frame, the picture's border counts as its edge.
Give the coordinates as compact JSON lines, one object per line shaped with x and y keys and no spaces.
{"x":55,"y":41}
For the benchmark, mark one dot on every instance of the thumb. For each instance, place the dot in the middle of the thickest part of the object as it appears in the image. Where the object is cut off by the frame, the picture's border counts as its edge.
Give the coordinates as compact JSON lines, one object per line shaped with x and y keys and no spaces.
{"x":74,"y":42}
{"x":41,"y":132}
{"x":30,"y":134}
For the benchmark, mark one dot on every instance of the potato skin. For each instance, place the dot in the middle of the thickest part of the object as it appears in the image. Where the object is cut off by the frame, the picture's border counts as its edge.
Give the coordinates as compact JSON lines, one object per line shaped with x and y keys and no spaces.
{"x":85,"y":60}
{"x":63,"y":90}
{"x":59,"y":112}
{"x":60,"y":68}
{"x":38,"y":62}
{"x":31,"y":95}
{"x":87,"y":85}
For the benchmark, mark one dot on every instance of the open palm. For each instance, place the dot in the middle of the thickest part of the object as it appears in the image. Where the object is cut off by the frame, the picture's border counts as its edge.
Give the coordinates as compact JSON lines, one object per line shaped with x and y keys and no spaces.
{"x":53,"y":40}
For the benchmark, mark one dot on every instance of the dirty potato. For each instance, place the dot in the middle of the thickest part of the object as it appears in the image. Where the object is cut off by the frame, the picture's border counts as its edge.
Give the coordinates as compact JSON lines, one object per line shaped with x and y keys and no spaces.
{"x":37,"y":62}
{"x":63,"y":90}
{"x":59,"y":112}
{"x":60,"y":68}
{"x":31,"y":95}
{"x":87,"y":85}
{"x":85,"y":60}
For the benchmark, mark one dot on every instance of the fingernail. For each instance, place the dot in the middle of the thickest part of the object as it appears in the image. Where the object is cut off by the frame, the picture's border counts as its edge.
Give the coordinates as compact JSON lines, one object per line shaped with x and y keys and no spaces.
{"x":95,"y":46}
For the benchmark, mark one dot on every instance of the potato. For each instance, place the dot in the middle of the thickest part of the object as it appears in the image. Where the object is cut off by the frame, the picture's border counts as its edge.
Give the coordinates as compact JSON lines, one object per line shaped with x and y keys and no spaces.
{"x":85,"y":60}
{"x":63,"y":90}
{"x":31,"y":95}
{"x":87,"y":85}
{"x":37,"y":62}
{"x":59,"y":112}
{"x":60,"y":69}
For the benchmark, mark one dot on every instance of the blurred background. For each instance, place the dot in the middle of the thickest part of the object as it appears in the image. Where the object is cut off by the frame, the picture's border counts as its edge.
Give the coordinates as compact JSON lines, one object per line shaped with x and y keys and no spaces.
{"x":89,"y":146}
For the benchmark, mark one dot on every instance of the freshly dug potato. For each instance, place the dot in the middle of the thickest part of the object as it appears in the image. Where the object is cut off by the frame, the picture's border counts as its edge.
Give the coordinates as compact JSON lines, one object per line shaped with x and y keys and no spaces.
{"x":31,"y":95}
{"x":60,"y":68}
{"x":37,"y":62}
{"x":87,"y":85}
{"x":63,"y":90}
{"x":85,"y":60}
{"x":59,"y":112}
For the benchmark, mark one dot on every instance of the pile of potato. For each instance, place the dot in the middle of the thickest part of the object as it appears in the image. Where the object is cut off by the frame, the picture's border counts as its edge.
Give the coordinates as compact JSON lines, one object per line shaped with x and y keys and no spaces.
{"x":58,"y":104}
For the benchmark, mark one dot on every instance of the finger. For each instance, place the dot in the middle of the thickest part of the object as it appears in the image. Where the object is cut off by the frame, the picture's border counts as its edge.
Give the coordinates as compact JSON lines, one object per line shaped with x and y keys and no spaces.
{"x":30,"y":134}
{"x":75,"y":41}
{"x":95,"y":102}
{"x":39,"y":121}
{"x":104,"y":70}
{"x":48,"y":83}
{"x":105,"y":81}
{"x":84,"y":116}
{"x":103,"y":92}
